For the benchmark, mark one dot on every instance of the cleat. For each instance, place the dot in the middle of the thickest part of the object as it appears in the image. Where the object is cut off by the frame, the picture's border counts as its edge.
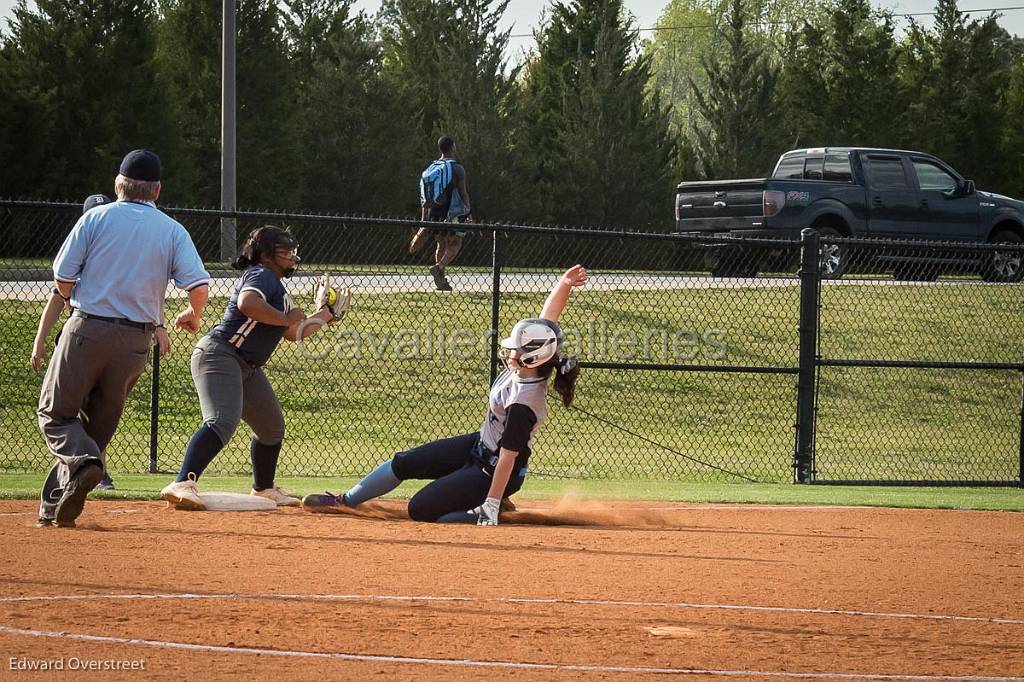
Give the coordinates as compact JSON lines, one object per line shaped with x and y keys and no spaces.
{"x":439,"y":279}
{"x":44,"y":523}
{"x":183,"y":495}
{"x":72,"y":501}
{"x":325,"y":503}
{"x":106,"y":483}
{"x":279,"y":496}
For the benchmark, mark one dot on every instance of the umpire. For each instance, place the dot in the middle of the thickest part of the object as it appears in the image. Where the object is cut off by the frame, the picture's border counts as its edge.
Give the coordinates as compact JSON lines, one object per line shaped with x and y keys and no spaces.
{"x":113,"y":268}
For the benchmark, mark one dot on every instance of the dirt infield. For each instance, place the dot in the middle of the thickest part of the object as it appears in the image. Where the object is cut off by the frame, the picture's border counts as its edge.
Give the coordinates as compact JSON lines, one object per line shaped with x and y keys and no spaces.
{"x":632,"y":591}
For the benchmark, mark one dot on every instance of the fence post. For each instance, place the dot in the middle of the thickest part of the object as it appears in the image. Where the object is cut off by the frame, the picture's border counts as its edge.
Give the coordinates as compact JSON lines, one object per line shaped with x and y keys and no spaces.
{"x":803,"y":454}
{"x":154,"y":408}
{"x":1020,"y":441}
{"x":495,"y":302}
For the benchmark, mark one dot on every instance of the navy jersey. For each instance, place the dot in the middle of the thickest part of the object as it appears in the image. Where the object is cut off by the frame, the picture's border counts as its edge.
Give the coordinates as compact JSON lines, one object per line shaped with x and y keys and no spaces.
{"x":253,"y":340}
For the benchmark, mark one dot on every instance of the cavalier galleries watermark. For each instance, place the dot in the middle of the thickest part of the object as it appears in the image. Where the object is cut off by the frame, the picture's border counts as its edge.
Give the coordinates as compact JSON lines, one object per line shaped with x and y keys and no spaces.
{"x":595,"y":341}
{"x":75,"y":664}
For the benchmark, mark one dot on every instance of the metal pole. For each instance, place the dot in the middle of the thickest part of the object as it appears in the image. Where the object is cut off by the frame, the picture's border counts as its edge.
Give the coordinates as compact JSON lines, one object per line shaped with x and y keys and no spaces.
{"x":228,"y":178}
{"x":803,"y":454}
{"x":154,"y":409}
{"x":1020,"y":442}
{"x":495,"y":302}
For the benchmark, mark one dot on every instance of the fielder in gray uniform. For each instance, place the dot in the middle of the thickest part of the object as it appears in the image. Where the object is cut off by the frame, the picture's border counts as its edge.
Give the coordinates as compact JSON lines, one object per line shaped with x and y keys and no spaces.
{"x":227,"y":367}
{"x":473,"y":472}
{"x":113,"y":268}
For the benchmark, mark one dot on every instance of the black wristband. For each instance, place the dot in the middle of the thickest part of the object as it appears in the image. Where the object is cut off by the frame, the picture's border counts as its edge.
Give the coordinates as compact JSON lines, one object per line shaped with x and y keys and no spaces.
{"x":66,"y":298}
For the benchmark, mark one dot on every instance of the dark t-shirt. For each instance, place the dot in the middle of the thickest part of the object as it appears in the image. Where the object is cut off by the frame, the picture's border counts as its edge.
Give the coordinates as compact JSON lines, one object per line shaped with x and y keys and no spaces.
{"x":253,"y":340}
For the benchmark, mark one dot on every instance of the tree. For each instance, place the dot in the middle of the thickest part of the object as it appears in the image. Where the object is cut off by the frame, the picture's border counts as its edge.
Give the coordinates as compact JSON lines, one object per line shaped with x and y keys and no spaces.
{"x":79,"y":92}
{"x":1013,"y":131}
{"x":444,"y":61}
{"x":188,"y":70}
{"x":960,"y":70}
{"x":348,"y":123}
{"x":841,"y":86}
{"x":741,"y":138}
{"x":691,"y":30}
{"x":598,"y":143}
{"x":268,"y":156}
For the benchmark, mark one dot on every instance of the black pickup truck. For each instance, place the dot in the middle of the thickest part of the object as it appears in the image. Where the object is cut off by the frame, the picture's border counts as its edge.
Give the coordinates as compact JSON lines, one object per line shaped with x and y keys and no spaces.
{"x":858,"y":192}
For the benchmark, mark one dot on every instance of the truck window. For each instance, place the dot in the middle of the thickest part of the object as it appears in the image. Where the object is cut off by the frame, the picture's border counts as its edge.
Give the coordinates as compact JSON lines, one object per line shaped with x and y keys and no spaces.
{"x":812,"y":170}
{"x":837,"y":168}
{"x":887,"y":172}
{"x":791,"y":167}
{"x":931,"y":177}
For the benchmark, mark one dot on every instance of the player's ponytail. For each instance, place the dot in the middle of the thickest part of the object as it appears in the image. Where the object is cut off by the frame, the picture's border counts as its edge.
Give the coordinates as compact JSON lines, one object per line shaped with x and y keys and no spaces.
{"x":566,"y":369}
{"x":261,"y":241}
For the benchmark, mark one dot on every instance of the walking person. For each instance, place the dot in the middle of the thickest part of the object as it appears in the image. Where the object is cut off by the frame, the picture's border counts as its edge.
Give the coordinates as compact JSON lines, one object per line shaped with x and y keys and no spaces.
{"x":444,"y":198}
{"x":472,"y":473}
{"x":113,"y":270}
{"x":55,"y":305}
{"x":227,"y":366}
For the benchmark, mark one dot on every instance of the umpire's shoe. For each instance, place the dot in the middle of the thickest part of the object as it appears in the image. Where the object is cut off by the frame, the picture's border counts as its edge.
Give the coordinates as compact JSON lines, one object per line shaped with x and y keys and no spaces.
{"x":71,"y":503}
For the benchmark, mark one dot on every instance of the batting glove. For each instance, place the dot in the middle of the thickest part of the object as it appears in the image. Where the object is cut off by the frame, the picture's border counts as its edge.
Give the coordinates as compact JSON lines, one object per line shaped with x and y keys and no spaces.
{"x":487,"y":513}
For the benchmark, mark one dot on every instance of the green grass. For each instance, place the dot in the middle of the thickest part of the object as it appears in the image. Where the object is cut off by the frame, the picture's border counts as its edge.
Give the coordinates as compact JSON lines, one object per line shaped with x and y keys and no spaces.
{"x":147,"y":487}
{"x":345,"y":414}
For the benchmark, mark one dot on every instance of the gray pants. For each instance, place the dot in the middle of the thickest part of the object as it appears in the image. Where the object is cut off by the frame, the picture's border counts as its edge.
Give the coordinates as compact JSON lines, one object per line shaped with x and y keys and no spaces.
{"x":94,"y":368}
{"x":230,"y":390}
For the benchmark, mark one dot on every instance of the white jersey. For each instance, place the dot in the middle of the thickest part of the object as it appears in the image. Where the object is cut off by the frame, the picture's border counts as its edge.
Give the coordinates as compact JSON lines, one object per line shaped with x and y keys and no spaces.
{"x":507,"y":390}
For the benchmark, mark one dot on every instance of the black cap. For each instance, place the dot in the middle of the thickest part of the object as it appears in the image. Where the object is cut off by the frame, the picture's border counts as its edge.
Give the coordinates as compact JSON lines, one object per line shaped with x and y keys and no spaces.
{"x":94,"y":200}
{"x":142,"y":165}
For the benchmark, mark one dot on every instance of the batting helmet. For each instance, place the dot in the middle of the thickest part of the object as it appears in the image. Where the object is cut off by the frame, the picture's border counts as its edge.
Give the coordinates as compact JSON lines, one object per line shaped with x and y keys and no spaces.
{"x":536,"y":340}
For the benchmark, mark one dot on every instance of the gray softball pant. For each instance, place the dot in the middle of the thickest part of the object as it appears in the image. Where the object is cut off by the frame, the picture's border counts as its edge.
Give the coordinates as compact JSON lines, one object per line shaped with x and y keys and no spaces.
{"x":230,"y":389}
{"x":94,"y":367}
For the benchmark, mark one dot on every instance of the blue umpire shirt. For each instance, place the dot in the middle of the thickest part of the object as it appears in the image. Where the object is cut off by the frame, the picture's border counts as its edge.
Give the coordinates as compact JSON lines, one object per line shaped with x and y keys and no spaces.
{"x":120,"y":257}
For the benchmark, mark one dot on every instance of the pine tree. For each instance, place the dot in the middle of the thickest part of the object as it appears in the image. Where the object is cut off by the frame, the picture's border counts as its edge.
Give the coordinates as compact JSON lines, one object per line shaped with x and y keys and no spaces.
{"x":692,"y":30}
{"x":268,"y":156}
{"x":598,"y":141}
{"x":346,"y":114}
{"x":1013,"y":132}
{"x":741,"y":139}
{"x":840,"y":86}
{"x":79,"y":92}
{"x":960,"y":71}
{"x":189,"y":72}
{"x":444,"y":61}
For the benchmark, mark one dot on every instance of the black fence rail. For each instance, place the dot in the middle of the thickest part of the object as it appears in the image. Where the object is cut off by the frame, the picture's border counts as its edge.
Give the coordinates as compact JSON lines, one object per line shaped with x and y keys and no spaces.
{"x":907,"y":368}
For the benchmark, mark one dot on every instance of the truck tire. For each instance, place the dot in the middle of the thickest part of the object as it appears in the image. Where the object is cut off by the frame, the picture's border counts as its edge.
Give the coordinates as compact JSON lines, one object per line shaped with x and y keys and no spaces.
{"x":833,"y":259}
{"x":1003,"y":266}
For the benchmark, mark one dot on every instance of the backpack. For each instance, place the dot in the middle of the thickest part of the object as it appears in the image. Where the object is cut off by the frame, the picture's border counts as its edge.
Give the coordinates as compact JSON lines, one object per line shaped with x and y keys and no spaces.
{"x":436,"y":184}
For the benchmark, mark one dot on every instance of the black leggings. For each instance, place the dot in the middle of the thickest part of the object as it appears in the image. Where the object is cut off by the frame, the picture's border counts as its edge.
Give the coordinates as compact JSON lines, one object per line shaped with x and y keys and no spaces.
{"x":460,"y":481}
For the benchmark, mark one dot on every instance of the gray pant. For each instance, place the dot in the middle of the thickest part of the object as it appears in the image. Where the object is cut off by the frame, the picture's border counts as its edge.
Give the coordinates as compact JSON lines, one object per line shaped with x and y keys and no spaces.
{"x":230,"y":389}
{"x":94,"y":368}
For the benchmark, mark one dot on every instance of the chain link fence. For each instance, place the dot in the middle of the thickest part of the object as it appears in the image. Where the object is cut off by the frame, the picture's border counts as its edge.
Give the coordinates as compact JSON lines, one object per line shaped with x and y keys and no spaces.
{"x":690,"y":347}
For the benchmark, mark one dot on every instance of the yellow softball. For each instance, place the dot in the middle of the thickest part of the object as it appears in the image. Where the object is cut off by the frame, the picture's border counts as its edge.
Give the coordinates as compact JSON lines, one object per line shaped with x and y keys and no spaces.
{"x":332,"y":296}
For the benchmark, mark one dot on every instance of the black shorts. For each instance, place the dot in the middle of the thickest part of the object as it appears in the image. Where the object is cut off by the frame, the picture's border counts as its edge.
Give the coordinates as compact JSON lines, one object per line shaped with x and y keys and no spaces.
{"x":441,"y":216}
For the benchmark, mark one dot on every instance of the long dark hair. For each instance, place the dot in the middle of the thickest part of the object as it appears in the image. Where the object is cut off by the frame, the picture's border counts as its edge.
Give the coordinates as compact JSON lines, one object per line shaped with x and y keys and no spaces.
{"x":261,"y":242}
{"x":566,"y":371}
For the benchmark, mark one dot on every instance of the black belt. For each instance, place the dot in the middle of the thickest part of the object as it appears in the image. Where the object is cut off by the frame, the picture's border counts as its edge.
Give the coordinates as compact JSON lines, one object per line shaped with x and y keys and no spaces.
{"x":485,"y":455}
{"x":116,"y":320}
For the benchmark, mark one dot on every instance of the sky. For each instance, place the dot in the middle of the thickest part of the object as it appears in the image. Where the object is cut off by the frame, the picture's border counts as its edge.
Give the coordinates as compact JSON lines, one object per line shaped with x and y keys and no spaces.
{"x":524,"y":15}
